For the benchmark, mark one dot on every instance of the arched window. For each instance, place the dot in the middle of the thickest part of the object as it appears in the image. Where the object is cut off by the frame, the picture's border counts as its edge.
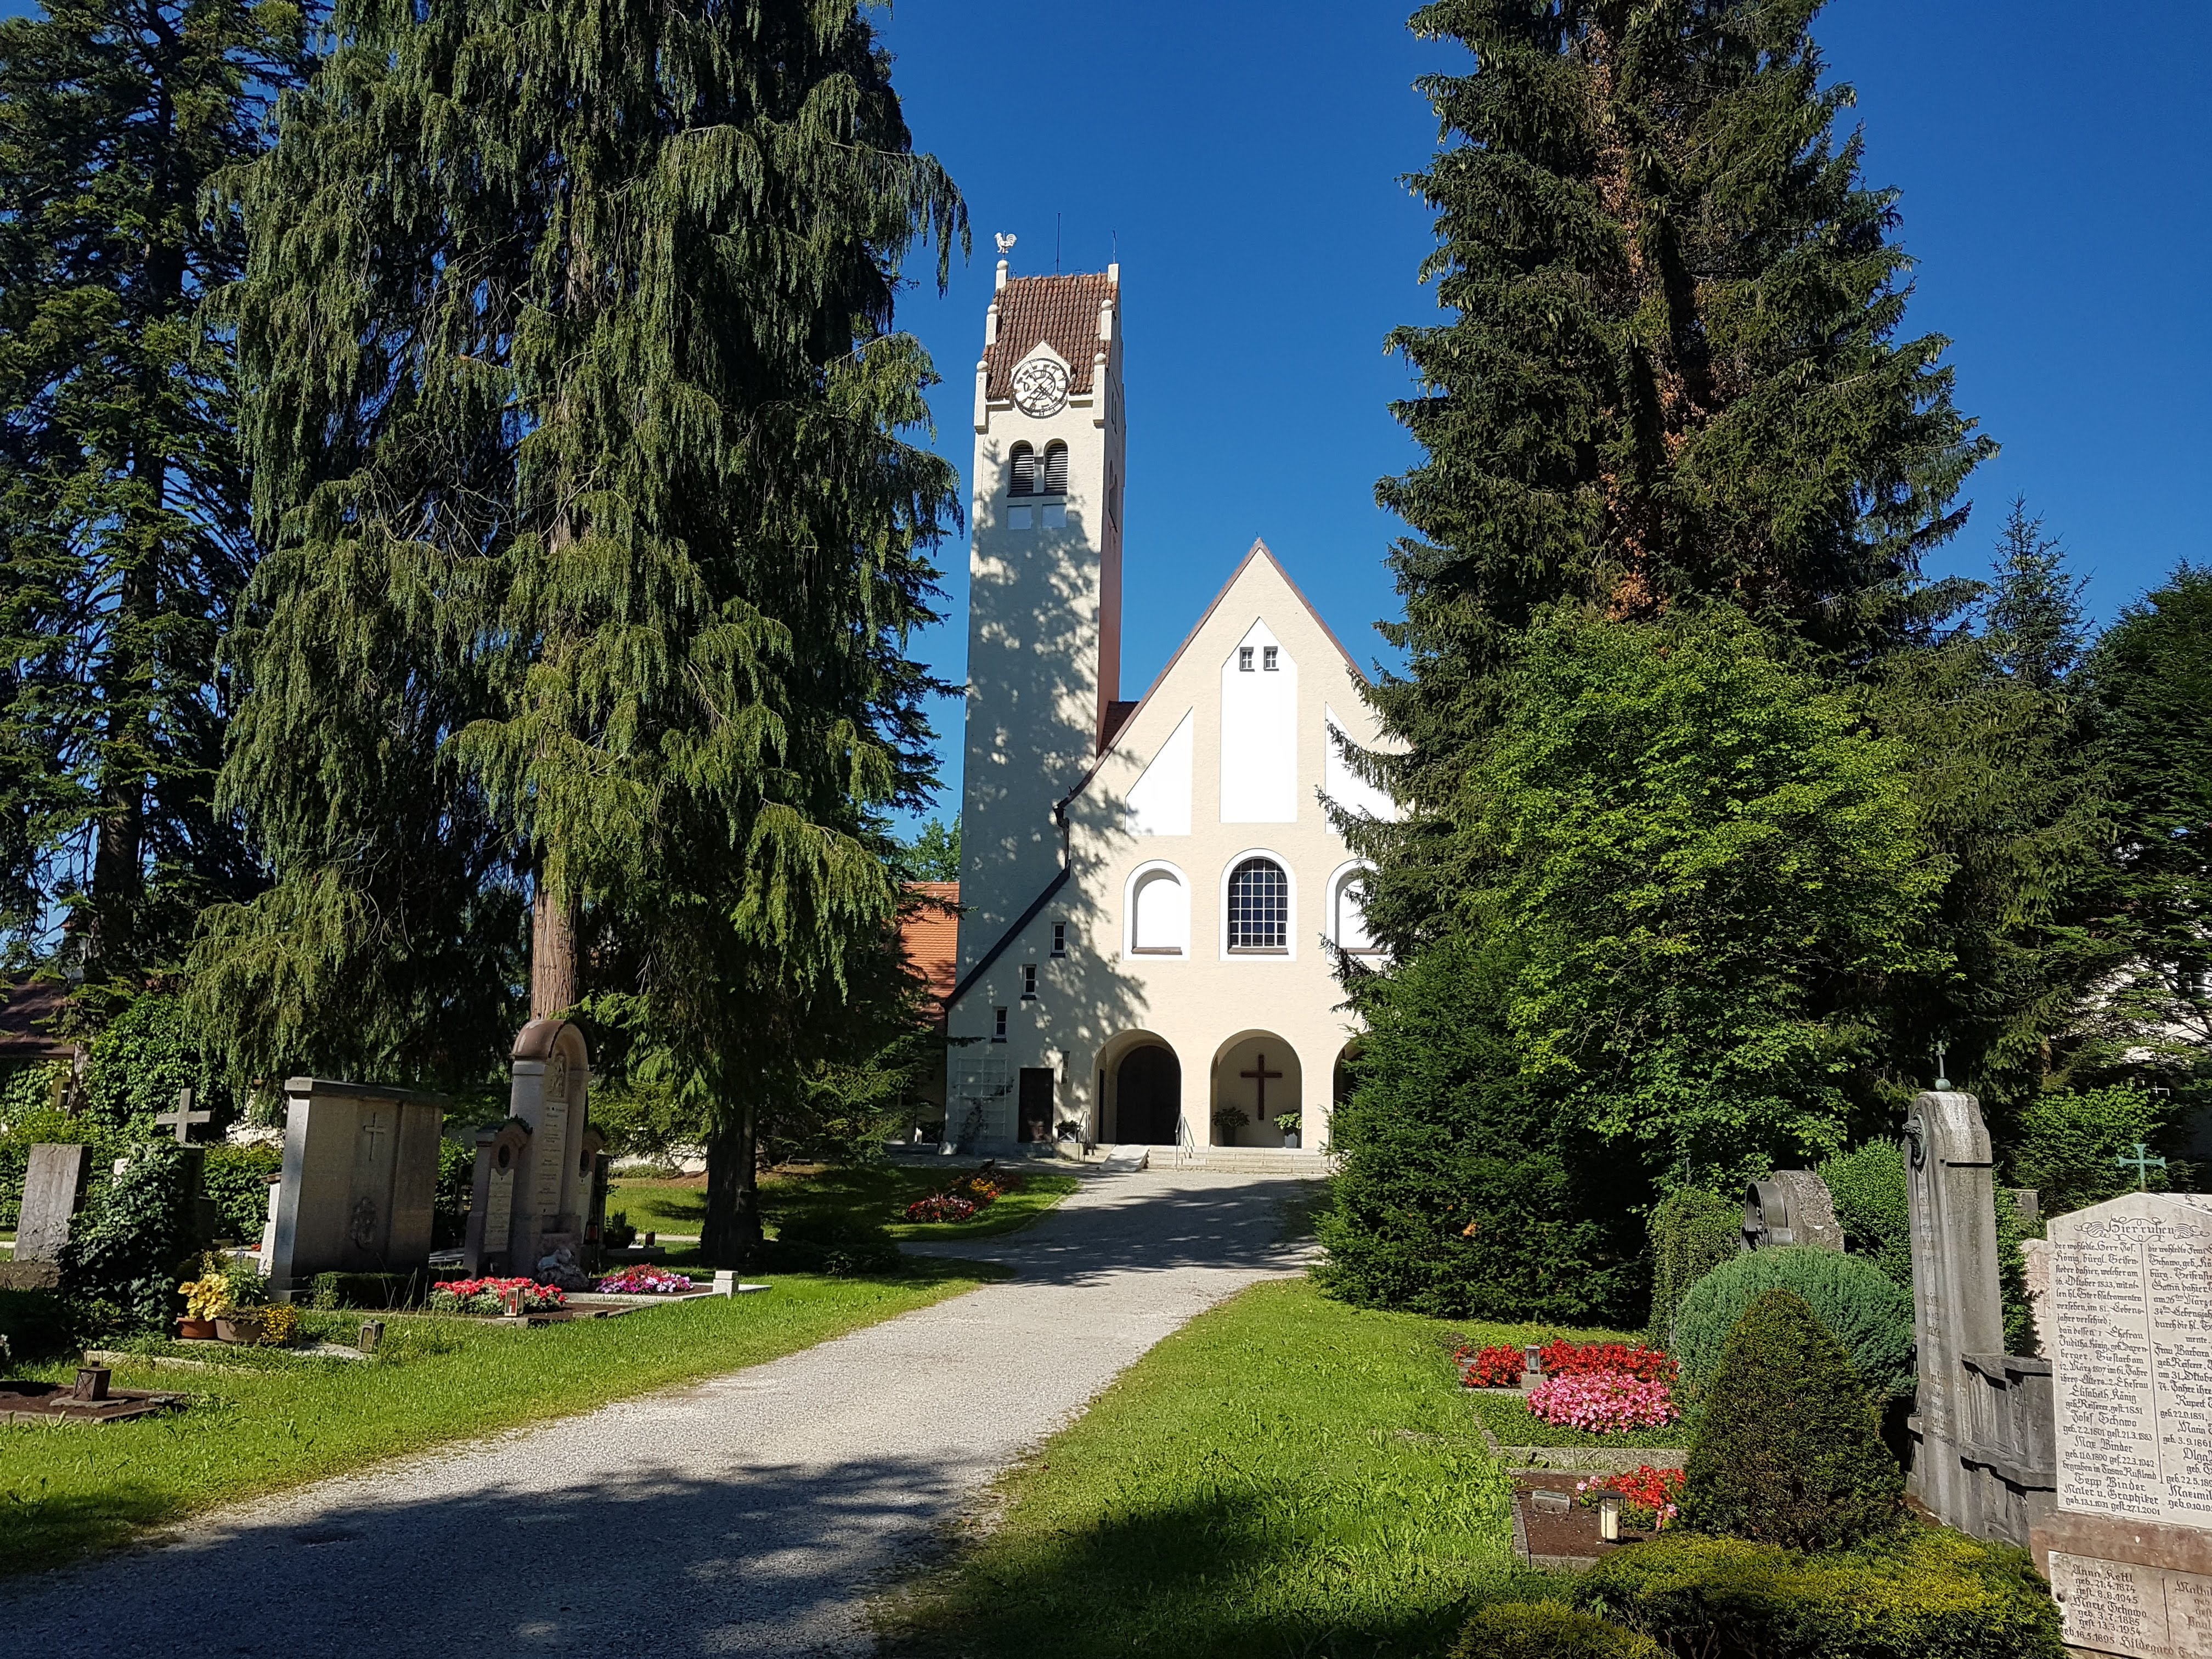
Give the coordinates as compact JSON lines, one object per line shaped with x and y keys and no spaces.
{"x":1352,"y":932}
{"x":1258,"y":907}
{"x":1025,"y":460}
{"x":1160,"y":925}
{"x":1055,"y":469}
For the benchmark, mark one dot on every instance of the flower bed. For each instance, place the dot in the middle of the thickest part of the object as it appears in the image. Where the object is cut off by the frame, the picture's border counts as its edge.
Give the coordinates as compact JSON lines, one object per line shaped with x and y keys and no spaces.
{"x":647,"y":1281}
{"x":1562,"y":1359}
{"x":1494,"y":1367}
{"x":1602,"y":1402}
{"x":941,"y":1206}
{"x":1507,"y":1417}
{"x":495,"y":1295}
{"x":1649,"y":1495}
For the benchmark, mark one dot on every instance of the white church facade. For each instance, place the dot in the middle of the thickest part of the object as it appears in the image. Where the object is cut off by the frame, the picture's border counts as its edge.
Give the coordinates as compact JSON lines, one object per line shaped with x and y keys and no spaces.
{"x":1149,"y":889}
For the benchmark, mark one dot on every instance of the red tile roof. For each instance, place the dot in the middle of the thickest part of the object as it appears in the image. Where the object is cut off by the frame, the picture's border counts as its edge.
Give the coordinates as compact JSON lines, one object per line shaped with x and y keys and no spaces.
{"x":929,"y":933}
{"x":1061,"y":310}
{"x":30,"y":1005}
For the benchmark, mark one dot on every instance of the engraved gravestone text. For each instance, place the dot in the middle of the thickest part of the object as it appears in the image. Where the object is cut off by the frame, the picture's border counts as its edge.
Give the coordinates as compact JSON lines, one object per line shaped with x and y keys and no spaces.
{"x":2125,"y":1608}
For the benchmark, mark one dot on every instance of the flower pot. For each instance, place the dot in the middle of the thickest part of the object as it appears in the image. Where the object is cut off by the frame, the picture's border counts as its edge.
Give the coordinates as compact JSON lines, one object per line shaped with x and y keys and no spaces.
{"x":240,"y":1327}
{"x":194,"y":1330}
{"x":1290,"y":1140}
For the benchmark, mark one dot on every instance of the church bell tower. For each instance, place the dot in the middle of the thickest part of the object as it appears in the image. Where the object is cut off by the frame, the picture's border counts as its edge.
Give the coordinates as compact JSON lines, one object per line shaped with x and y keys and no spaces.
{"x":1044,"y":568}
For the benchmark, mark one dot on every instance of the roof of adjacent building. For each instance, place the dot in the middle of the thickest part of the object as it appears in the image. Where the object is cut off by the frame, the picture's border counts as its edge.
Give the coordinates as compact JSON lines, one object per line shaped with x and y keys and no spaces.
{"x":27,"y":1007}
{"x":929,"y":933}
{"x":1061,"y":311}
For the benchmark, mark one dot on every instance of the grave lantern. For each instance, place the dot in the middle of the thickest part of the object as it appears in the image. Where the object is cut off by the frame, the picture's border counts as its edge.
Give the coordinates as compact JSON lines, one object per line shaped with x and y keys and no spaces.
{"x":1535,"y":1358}
{"x":1608,"y":1516}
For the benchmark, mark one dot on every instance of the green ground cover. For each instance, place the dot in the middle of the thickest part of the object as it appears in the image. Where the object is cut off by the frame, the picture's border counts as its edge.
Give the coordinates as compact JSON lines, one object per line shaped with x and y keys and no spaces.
{"x":1285,"y":1475}
{"x":1508,"y":1417}
{"x":868,"y":1192}
{"x":280,"y":1420}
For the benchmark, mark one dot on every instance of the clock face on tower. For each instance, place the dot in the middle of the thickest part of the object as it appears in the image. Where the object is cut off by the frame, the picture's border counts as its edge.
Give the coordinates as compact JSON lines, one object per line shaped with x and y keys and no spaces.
{"x":1041,"y":387}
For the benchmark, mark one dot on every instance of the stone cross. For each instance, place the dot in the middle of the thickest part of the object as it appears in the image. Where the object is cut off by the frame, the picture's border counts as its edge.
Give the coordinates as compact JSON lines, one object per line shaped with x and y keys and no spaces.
{"x":2143,"y":1164}
{"x":1259,"y":1079}
{"x":1942,"y":1082}
{"x":182,"y":1118}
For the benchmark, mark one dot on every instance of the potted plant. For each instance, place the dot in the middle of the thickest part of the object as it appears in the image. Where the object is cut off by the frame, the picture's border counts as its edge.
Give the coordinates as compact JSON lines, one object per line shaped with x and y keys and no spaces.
{"x":206,"y":1300}
{"x":244,"y":1320}
{"x":1288,"y":1123}
{"x":1226,"y":1122}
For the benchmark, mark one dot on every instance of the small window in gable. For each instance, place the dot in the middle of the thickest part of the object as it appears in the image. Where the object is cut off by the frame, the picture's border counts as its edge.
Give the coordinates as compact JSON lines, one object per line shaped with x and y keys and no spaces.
{"x":1243,"y":659}
{"x":1267,"y":657}
{"x":1055,"y":469}
{"x":1025,"y":479}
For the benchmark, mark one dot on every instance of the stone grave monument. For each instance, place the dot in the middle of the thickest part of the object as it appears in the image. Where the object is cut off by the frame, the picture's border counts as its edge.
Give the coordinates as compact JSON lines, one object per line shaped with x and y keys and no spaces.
{"x":53,"y":1192}
{"x":359,"y":1183}
{"x":1790,"y":1206}
{"x":2129,"y":1547}
{"x":534,"y":1209}
{"x":1981,"y":1423}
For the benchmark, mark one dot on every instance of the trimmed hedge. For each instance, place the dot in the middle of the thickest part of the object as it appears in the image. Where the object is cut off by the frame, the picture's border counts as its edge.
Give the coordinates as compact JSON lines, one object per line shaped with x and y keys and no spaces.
{"x":1927,"y":1593}
{"x":1544,"y":1630}
{"x":1693,"y":1232}
{"x":1862,"y":1307}
{"x":1789,"y":1451}
{"x":834,"y":1244}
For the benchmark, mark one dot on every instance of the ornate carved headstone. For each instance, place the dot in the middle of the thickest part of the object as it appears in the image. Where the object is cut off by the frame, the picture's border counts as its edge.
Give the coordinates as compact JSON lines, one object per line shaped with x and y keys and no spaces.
{"x":549,"y":1233}
{"x":1790,"y":1206}
{"x":2128,"y":1549}
{"x":359,"y":1180}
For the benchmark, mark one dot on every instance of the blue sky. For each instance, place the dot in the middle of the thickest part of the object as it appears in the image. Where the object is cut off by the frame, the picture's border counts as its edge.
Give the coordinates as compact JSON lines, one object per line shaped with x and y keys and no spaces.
{"x":1244,"y":160}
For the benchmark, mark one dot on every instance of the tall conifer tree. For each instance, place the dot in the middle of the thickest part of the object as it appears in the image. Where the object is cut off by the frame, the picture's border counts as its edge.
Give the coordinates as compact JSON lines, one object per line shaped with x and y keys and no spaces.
{"x":1671,"y":368}
{"x":123,"y":506}
{"x":574,"y":389}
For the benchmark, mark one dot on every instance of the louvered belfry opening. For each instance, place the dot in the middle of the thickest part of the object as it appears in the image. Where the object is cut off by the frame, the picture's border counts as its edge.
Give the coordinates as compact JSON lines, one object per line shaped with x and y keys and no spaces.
{"x":1055,"y":469}
{"x":1024,"y":459}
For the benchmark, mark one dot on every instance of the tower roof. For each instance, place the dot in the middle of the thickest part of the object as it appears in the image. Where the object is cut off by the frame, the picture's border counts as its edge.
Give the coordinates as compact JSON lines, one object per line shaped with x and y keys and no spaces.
{"x":1061,"y":311}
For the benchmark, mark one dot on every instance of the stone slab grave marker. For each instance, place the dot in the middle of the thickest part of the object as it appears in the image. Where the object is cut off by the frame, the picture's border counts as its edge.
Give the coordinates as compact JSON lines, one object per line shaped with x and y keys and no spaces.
{"x":1790,"y":1206}
{"x":53,"y":1192}
{"x":535,"y":1202}
{"x":359,"y":1184}
{"x":2129,"y":1548}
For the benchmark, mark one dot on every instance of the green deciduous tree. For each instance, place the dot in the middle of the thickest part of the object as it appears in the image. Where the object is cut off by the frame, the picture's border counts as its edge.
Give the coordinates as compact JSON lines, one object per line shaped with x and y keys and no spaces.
{"x":124,"y":541}
{"x":1671,"y":368}
{"x":575,"y":402}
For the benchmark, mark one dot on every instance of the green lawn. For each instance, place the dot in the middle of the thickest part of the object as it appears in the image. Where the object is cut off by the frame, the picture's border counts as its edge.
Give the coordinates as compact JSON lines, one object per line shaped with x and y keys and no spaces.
{"x":286,"y":1419}
{"x":874,"y":1192}
{"x":1284,"y":1476}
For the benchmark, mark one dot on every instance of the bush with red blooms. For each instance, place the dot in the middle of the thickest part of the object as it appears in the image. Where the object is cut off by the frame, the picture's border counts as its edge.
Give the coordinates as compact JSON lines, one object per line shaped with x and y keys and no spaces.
{"x":1649,"y":1495}
{"x":1564,"y":1358}
{"x":1491,"y":1368}
{"x":941,"y":1206}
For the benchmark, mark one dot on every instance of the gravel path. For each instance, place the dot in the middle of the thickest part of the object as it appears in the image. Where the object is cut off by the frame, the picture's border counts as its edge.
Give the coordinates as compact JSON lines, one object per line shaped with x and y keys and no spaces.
{"x":750,"y":1513}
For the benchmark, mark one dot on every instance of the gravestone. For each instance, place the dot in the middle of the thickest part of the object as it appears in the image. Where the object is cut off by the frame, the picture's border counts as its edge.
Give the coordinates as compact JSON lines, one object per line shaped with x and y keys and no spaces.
{"x":53,"y":1192}
{"x":538,"y":1181}
{"x":359,"y":1184}
{"x":2129,"y":1548}
{"x":1790,"y":1206}
{"x":1981,"y":1420}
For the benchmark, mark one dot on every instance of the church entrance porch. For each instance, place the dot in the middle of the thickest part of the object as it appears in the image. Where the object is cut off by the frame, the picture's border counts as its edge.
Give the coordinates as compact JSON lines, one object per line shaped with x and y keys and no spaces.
{"x":1256,"y":1081}
{"x":1148,"y":1096}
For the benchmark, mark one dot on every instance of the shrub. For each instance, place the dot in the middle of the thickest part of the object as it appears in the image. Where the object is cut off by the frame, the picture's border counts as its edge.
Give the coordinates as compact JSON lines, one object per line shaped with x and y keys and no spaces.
{"x":1862,"y":1309}
{"x":143,"y":1056}
{"x":1544,"y":1630}
{"x":237,"y":1179}
{"x":130,"y":1246}
{"x":1693,"y":1232}
{"x":1789,"y":1450}
{"x":1874,"y":1206}
{"x":838,"y":1245}
{"x":40,"y":1124}
{"x":2068,"y":1145}
{"x":1925,"y":1594}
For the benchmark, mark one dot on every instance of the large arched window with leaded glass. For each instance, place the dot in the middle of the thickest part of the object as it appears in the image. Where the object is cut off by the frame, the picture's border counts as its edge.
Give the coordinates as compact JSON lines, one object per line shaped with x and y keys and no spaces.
{"x":1258,"y":907}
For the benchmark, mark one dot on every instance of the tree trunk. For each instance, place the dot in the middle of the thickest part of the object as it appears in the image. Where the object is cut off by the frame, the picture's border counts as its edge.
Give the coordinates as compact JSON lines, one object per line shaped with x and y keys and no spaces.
{"x":553,"y":985}
{"x":732,"y":1234}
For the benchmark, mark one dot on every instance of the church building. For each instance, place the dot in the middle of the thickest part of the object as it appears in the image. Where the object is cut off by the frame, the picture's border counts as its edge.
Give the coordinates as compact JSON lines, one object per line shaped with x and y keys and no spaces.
{"x":1149,"y":886}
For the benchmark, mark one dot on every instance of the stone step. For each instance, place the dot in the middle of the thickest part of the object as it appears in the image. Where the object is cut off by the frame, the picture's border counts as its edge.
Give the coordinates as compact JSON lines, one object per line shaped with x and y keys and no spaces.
{"x":1245,"y":1160}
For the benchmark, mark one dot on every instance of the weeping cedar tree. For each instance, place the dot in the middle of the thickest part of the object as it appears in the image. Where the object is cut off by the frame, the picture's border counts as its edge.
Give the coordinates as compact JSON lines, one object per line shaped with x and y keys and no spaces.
{"x":123,"y":506}
{"x":574,"y":397}
{"x":1671,"y":372}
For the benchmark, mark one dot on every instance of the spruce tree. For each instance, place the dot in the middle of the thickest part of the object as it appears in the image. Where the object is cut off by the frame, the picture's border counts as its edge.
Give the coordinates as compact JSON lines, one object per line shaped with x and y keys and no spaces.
{"x":1672,"y":369}
{"x":575,"y":391}
{"x":123,"y":506}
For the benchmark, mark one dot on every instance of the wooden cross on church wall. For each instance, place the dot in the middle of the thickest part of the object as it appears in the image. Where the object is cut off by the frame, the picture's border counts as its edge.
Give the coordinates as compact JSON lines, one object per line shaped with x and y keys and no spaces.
{"x":1259,"y":1079}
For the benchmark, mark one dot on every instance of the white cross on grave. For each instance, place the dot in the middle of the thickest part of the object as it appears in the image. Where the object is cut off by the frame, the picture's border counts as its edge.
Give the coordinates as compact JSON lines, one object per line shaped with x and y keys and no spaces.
{"x":182,"y":1118}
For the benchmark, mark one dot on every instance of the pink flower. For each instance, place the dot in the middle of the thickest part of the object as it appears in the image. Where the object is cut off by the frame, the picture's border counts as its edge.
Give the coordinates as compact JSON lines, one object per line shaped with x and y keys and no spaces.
{"x":1602,"y":1402}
